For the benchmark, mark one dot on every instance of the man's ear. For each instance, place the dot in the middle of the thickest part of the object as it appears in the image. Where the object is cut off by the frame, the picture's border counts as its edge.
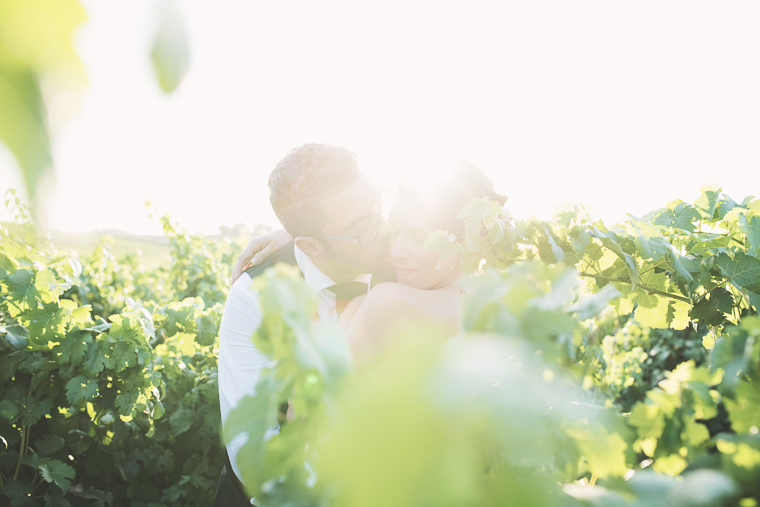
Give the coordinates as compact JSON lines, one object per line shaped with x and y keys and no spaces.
{"x":310,"y":247}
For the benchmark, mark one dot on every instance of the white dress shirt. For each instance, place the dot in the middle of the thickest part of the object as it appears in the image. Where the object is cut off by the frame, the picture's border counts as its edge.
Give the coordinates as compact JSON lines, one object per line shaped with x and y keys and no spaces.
{"x":240,"y":363}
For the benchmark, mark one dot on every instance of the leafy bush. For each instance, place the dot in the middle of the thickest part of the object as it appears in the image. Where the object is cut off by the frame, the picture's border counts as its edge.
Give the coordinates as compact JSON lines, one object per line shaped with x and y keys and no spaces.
{"x":536,"y":392}
{"x":109,"y":374}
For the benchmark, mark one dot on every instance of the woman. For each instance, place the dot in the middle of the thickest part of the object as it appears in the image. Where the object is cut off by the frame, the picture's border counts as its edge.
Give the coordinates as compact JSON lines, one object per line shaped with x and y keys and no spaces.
{"x":428,"y":294}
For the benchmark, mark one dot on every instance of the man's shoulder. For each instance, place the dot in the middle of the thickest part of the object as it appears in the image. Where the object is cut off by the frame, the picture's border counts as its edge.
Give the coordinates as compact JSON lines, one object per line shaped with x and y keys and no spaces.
{"x":242,"y":289}
{"x":285,"y":254}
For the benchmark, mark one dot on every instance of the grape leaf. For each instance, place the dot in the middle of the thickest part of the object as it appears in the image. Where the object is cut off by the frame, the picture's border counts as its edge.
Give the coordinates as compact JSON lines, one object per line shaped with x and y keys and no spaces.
{"x":81,"y":389}
{"x":681,"y":217}
{"x":181,"y":420}
{"x":32,"y":409}
{"x":648,"y":419}
{"x":474,"y":212}
{"x":71,"y":349}
{"x":744,"y":408}
{"x":21,"y":288}
{"x":207,"y":330}
{"x":609,"y":241}
{"x":44,"y":282}
{"x":708,"y":201}
{"x":682,"y":272}
{"x":46,"y":324}
{"x":652,"y":310}
{"x":48,"y":444}
{"x":751,"y":227}
{"x":649,"y":242}
{"x":18,"y":492}
{"x":59,"y":473}
{"x":16,"y":335}
{"x":8,"y":410}
{"x":712,"y":307}
{"x":97,"y":358}
{"x":679,"y":318}
{"x":170,"y":54}
{"x":743,"y":270}
{"x":604,"y":451}
{"x":126,"y":401}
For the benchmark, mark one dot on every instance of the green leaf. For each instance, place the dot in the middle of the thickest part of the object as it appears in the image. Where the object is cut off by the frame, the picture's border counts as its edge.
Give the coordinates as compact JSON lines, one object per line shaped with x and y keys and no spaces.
{"x":33,"y":409}
{"x":672,"y":465}
{"x":18,"y":492}
{"x":181,"y":420}
{"x":48,"y":444}
{"x":710,"y":310}
{"x":57,"y":472}
{"x":21,"y":288}
{"x":44,"y":281}
{"x":751,"y":227}
{"x":678,"y":314}
{"x":474,"y":212}
{"x":170,"y":55}
{"x":743,"y":270}
{"x":126,"y":401}
{"x":682,"y":272}
{"x":72,"y":348}
{"x":680,"y":217}
{"x":594,"y":304}
{"x":46,"y":324}
{"x":254,"y":415}
{"x":648,"y":419}
{"x":98,"y":357}
{"x":22,"y":122}
{"x":708,"y":201}
{"x":700,"y":488}
{"x":207,"y":330}
{"x":652,"y":310}
{"x":744,"y":408}
{"x":609,"y":241}
{"x":557,"y":255}
{"x":8,"y":410}
{"x":715,"y":244}
{"x":16,"y":335}
{"x":80,"y":389}
{"x":694,"y":433}
{"x":649,"y":242}
{"x":604,"y":451}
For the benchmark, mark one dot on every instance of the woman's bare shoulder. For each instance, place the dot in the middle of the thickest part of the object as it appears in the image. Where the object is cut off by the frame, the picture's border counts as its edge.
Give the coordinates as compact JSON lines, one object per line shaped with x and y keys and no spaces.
{"x":391,"y":292}
{"x":398,"y":298}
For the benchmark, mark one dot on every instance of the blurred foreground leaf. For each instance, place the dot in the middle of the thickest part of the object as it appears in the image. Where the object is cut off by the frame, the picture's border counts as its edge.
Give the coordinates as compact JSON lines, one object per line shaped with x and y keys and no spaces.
{"x":170,"y":55}
{"x":36,"y":52}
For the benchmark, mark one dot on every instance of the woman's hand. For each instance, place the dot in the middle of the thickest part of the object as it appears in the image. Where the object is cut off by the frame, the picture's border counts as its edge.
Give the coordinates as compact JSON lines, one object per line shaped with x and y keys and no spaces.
{"x":258,"y":249}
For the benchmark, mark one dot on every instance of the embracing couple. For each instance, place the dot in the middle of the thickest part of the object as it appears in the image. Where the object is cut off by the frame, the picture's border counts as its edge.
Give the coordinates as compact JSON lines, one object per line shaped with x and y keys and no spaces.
{"x":372,"y":275}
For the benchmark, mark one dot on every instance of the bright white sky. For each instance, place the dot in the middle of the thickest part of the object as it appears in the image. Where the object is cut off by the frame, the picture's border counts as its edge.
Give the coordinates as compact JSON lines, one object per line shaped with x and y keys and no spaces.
{"x":621,"y":106}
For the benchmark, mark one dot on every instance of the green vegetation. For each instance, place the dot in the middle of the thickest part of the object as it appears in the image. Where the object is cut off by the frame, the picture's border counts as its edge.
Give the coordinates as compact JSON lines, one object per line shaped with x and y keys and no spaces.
{"x":599,"y":366}
{"x":109,"y":372}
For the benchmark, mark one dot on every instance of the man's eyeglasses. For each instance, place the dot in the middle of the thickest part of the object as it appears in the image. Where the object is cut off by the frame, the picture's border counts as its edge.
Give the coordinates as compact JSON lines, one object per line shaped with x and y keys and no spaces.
{"x":364,"y":236}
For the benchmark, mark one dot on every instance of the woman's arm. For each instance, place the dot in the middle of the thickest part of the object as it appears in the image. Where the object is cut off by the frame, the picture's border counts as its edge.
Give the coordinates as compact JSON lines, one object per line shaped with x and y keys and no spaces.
{"x":258,"y":249}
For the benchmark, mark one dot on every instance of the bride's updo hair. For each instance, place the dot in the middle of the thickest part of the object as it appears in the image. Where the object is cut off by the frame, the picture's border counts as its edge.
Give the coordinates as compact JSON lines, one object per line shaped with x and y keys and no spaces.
{"x":439,"y":198}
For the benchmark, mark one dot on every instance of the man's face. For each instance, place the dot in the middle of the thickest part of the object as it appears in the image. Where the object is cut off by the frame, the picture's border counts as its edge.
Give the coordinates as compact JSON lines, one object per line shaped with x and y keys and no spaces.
{"x":351,"y":211}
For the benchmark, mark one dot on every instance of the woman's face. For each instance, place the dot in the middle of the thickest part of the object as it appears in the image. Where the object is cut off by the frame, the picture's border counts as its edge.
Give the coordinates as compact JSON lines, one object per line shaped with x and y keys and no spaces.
{"x":416,"y":266}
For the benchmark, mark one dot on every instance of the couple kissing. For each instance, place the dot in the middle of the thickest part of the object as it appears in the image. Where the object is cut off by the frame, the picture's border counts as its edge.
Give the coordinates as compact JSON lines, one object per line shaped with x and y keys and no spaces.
{"x":368,"y":265}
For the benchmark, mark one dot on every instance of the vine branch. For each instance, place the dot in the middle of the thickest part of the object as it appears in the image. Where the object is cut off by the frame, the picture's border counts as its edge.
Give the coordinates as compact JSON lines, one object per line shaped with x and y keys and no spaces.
{"x":650,"y":290}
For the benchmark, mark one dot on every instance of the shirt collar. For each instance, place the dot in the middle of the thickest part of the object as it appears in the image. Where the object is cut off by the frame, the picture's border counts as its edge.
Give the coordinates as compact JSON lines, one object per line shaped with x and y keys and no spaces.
{"x":314,"y":276}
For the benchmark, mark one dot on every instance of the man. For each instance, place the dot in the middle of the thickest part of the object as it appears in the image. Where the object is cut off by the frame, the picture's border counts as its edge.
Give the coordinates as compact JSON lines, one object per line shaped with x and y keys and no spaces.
{"x":334,"y":215}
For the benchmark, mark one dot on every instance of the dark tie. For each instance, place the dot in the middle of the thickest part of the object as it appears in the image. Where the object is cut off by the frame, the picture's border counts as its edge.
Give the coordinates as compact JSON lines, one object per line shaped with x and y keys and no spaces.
{"x":345,"y":292}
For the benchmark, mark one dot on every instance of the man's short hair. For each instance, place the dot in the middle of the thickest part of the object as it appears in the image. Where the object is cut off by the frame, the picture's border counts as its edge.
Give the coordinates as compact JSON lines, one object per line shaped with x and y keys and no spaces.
{"x":299,"y":180}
